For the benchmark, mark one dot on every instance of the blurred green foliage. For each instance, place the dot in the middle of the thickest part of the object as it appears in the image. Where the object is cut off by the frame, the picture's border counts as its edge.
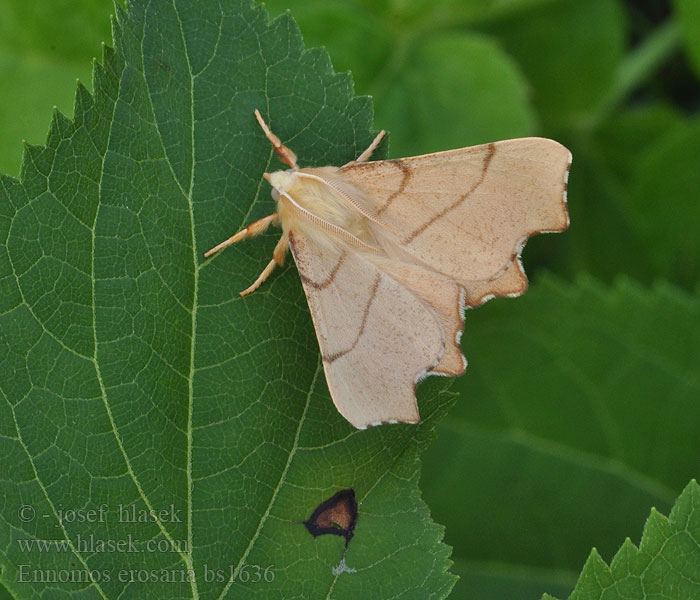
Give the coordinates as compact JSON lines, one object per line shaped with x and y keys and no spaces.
{"x":618,"y":83}
{"x":612,"y":80}
{"x":44,"y":47}
{"x":603,"y":77}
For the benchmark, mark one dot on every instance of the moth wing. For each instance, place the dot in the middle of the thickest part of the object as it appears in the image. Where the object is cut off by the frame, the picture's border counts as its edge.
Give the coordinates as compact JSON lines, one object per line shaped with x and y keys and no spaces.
{"x":468,"y":212}
{"x":446,"y":299}
{"x":512,"y":282}
{"x":377,"y":337}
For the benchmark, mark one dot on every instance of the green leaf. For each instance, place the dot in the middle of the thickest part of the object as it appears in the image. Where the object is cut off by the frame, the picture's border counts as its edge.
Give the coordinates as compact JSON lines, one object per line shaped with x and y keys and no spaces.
{"x":632,"y":202}
{"x":607,"y":238}
{"x":631,"y":73}
{"x":665,"y":203}
{"x":665,"y":565}
{"x":688,"y":12}
{"x":135,"y":379}
{"x":63,"y":29}
{"x":40,"y":83}
{"x":435,"y":88}
{"x":44,"y":47}
{"x":376,"y":39}
{"x":554,"y":46}
{"x":626,"y":132}
{"x":603,"y":239}
{"x":449,"y":13}
{"x":4,"y":594}
{"x":357,"y":39}
{"x":577,"y":413}
{"x":459,"y":90}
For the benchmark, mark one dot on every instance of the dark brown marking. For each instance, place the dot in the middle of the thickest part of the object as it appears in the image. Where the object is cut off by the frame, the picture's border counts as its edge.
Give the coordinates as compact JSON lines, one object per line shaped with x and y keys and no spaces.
{"x":322,"y":285}
{"x":336,"y":355}
{"x":337,"y":516}
{"x":490,"y":151}
{"x":406,"y":175}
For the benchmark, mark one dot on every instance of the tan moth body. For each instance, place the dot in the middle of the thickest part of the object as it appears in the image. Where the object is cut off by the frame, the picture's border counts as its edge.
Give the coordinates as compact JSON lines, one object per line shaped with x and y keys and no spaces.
{"x":391,"y":252}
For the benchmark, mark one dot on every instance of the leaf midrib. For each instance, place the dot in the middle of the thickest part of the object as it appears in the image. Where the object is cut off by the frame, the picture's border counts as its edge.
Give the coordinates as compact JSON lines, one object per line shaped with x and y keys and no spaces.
{"x":186,"y":558}
{"x":195,"y":293}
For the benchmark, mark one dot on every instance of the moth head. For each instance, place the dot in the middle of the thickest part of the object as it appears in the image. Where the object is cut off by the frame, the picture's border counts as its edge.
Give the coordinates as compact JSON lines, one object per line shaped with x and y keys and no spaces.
{"x":280,"y":181}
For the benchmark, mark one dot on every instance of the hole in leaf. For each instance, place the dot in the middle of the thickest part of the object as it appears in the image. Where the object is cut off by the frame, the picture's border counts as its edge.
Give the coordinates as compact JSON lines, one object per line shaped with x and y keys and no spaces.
{"x":336,"y":515}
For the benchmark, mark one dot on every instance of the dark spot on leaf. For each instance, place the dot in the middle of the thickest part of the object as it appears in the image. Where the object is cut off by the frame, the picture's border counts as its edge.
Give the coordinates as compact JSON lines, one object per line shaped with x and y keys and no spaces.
{"x":336,"y":515}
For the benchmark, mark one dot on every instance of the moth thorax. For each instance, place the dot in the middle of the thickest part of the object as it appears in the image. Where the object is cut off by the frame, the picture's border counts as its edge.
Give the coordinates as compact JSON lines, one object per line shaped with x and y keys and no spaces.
{"x":281,"y":181}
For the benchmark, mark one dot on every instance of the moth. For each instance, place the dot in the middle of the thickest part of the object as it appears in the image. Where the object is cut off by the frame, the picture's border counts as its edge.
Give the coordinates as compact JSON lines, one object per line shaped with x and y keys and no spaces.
{"x":391,"y":252}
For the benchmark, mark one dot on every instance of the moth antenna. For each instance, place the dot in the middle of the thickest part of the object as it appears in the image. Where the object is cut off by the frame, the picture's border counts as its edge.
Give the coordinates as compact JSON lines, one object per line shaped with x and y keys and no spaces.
{"x":327,"y":225}
{"x":285,"y":154}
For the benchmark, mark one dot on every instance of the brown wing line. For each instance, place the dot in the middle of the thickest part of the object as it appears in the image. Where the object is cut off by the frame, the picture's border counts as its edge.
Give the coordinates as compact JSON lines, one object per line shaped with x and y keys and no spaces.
{"x":406,"y":176}
{"x":336,"y":355}
{"x":322,"y":285}
{"x":316,"y":285}
{"x":514,"y":190}
{"x":372,"y":359}
{"x":450,"y":332}
{"x":444,"y":299}
{"x":490,"y":151}
{"x":330,"y":358}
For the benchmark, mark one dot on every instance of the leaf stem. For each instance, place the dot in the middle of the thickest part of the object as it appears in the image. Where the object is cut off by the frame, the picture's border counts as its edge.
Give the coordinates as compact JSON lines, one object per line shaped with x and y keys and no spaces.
{"x":636,"y":68}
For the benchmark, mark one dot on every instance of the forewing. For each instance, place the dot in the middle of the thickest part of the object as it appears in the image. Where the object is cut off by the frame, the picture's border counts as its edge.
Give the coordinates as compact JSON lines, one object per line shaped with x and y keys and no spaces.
{"x":377,"y":337}
{"x":467,"y":213}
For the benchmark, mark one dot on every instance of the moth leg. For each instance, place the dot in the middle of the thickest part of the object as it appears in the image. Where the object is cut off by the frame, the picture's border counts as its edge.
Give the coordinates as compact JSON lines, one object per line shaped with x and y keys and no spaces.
{"x":285,"y":154}
{"x":280,"y":250}
{"x":255,"y":228}
{"x":371,"y":148}
{"x":277,"y":259}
